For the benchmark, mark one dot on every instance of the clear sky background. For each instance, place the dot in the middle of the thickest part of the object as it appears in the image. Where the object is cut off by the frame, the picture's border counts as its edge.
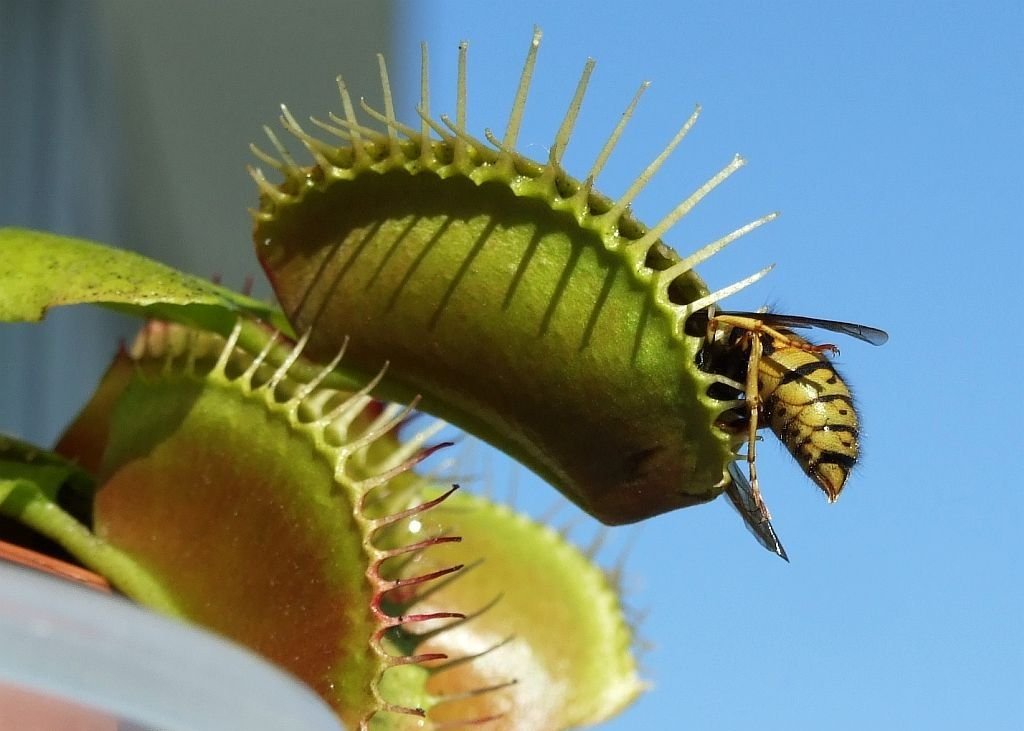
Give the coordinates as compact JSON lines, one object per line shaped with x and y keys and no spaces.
{"x":889,"y":135}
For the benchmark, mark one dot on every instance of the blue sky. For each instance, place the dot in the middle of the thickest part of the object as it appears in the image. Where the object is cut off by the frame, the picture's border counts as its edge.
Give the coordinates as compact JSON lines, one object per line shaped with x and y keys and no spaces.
{"x":890,"y":138}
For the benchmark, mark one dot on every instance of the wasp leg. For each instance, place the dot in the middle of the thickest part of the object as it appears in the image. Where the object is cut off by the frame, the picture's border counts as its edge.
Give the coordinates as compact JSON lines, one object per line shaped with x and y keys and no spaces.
{"x":753,"y":401}
{"x":780,"y":339}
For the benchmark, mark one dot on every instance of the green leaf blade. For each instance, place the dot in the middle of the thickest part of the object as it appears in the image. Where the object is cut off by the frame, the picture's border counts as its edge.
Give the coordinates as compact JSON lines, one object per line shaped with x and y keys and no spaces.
{"x":40,"y":270}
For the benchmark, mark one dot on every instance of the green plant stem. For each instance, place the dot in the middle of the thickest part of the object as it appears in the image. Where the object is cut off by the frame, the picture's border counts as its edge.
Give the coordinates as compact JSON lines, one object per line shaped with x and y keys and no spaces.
{"x":47,"y":518}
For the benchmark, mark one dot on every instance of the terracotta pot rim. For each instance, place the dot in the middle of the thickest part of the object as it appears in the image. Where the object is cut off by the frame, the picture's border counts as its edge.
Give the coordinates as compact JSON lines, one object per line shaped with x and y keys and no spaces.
{"x":37,"y":561}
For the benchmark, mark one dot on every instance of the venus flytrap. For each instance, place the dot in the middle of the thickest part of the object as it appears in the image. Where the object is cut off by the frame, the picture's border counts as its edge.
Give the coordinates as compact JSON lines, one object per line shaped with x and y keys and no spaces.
{"x":284,"y":514}
{"x":521,"y":304}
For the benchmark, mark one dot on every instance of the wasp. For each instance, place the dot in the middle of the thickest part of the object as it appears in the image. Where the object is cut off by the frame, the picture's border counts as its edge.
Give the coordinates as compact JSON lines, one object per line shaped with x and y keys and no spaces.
{"x":790,"y":385}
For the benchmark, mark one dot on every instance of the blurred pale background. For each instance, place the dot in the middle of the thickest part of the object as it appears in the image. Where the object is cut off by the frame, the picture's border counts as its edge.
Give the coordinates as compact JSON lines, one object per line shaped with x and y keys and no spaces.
{"x":131,"y":125}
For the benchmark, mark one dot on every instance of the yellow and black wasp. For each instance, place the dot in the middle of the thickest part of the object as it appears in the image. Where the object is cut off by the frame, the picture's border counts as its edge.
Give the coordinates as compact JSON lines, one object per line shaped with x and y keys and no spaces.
{"x":790,"y":385}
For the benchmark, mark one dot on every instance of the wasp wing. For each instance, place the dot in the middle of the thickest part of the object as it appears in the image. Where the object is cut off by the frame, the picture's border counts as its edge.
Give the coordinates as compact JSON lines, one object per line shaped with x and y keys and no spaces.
{"x":754,"y":516}
{"x":862,"y":332}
